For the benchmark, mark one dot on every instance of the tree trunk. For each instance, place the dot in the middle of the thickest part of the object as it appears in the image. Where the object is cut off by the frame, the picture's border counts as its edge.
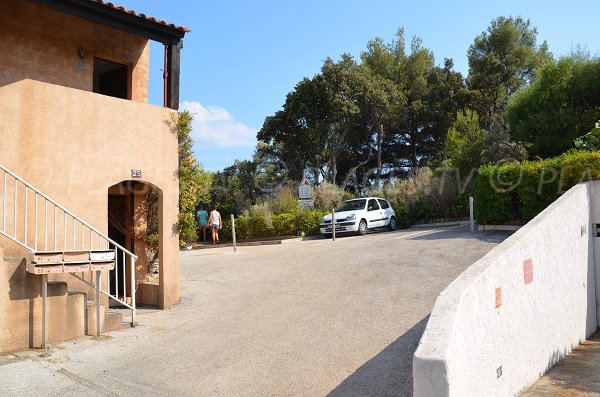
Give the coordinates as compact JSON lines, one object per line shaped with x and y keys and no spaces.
{"x":332,"y":165}
{"x":379,"y":149}
{"x":413,"y":149}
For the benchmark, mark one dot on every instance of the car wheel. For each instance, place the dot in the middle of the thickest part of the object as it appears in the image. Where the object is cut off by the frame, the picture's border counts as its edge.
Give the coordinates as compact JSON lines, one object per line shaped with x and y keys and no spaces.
{"x":327,"y":235}
{"x":392,"y":224}
{"x":362,"y":227}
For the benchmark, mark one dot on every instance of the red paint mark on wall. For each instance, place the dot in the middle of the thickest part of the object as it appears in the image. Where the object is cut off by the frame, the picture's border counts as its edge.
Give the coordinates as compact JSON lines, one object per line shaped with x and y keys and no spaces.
{"x":498,"y":297}
{"x":528,"y":271}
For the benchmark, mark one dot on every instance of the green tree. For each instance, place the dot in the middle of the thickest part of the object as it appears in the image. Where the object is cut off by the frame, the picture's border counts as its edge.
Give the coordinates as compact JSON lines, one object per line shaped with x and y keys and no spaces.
{"x":320,"y":126}
{"x":379,"y":98}
{"x":464,"y":143}
{"x":415,"y":132}
{"x":503,"y":60}
{"x":192,"y":185}
{"x":560,"y":105}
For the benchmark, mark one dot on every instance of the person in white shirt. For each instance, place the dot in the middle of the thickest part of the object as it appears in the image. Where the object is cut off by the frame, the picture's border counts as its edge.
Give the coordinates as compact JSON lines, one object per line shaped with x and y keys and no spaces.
{"x":215,"y":223}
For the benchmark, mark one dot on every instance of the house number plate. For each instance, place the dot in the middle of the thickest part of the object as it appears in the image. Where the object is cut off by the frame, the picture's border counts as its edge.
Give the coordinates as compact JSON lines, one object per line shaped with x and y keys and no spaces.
{"x":136,"y":173}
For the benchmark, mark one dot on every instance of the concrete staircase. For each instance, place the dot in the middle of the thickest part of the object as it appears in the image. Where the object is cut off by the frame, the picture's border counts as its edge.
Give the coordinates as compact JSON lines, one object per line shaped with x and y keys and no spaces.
{"x":43,"y":241}
{"x":69,"y":312}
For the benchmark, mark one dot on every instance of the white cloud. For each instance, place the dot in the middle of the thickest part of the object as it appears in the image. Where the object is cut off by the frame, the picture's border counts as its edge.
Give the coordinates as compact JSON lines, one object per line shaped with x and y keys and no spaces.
{"x":215,"y":125}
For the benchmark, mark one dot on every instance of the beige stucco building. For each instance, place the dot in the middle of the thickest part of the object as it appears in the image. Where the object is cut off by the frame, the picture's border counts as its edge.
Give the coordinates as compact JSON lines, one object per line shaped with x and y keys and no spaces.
{"x":80,"y":150}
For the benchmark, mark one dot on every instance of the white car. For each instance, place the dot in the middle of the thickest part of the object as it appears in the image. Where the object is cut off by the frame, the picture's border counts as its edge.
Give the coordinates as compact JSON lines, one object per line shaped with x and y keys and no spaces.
{"x":359,"y":216}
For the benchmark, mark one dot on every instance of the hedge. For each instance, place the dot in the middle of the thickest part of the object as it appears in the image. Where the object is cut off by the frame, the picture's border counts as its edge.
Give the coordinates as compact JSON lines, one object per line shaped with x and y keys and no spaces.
{"x":250,"y":227}
{"x":517,"y":192}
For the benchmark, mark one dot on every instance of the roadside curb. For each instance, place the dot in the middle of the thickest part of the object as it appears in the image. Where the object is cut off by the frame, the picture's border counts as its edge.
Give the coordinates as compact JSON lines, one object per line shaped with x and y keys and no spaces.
{"x":510,"y":228}
{"x":287,"y":240}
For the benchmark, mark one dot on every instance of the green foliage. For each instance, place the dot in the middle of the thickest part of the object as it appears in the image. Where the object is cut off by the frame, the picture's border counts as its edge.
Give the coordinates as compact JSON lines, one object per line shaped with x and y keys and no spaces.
{"x":562,"y":103}
{"x":589,"y":141}
{"x":252,"y":226}
{"x":426,"y":196}
{"x":286,"y":200}
{"x":517,"y":192}
{"x":328,"y":196}
{"x":193,"y":186}
{"x":235,"y":188}
{"x":580,"y":166}
{"x":285,"y":224}
{"x":501,"y":61}
{"x":150,"y":238}
{"x":308,"y":221}
{"x":256,"y":226}
{"x":378,"y":123}
{"x":354,"y":121}
{"x":464,"y":143}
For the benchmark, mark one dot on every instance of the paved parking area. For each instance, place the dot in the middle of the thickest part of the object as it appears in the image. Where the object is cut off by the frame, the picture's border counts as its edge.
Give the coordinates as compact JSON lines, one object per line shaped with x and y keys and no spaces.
{"x":309,"y":318}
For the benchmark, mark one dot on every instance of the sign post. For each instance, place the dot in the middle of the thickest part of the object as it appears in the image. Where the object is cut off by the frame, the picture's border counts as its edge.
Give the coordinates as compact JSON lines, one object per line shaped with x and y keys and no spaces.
{"x":305,"y":194}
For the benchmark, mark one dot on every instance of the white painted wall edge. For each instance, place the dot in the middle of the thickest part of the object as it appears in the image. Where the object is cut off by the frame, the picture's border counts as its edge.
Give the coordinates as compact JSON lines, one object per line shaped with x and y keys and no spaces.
{"x":467,"y":339}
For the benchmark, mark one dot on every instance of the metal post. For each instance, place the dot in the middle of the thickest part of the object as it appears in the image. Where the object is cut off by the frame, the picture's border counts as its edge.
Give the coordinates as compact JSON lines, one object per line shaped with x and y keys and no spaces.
{"x":26,"y":218}
{"x":55,"y":228}
{"x":471,"y":216}
{"x":132,"y":287}
{"x":98,"y":281}
{"x":233,"y":232}
{"x":4,"y":205}
{"x":15,"y":205}
{"x":44,"y":297}
{"x":333,"y":224}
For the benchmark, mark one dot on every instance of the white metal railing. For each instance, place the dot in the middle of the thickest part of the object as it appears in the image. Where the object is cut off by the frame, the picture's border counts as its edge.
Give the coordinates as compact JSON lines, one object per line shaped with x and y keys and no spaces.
{"x":54,"y":228}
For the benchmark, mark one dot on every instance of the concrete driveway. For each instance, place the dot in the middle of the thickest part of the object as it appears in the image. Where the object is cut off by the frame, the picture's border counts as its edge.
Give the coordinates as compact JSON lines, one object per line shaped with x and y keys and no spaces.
{"x":310,"y":318}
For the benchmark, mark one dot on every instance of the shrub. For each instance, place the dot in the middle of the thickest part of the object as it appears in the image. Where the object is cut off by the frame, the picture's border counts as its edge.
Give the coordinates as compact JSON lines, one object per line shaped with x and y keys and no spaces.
{"x":309,"y":220}
{"x":517,"y":192}
{"x":286,"y":200}
{"x":263,"y":211}
{"x":327,"y":196}
{"x":285,"y":224}
{"x":249,"y":227}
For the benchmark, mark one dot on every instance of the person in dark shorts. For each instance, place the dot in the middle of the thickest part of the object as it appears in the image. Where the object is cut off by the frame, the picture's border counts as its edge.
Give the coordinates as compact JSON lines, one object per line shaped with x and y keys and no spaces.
{"x":202,"y":221}
{"x":215,"y":223}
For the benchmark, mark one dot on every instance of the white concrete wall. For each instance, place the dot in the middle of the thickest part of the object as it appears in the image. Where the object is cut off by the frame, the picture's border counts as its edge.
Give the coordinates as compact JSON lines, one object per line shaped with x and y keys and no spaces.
{"x":467,"y":338}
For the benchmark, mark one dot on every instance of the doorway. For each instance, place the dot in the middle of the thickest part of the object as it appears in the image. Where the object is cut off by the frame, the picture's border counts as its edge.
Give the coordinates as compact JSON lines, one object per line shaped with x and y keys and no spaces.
{"x":118,"y":230}
{"x":110,"y":78}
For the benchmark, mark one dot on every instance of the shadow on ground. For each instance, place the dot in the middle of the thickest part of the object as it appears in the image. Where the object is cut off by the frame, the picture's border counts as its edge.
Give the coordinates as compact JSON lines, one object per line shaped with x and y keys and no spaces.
{"x":389,"y":373}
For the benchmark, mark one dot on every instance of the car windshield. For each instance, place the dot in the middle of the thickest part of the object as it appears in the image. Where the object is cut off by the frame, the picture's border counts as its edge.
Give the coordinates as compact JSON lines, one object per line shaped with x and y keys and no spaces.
{"x":352,"y":205}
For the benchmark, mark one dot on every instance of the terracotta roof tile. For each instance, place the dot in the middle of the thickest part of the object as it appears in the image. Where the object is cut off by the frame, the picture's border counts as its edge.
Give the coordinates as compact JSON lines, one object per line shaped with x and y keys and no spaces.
{"x":140,"y":15}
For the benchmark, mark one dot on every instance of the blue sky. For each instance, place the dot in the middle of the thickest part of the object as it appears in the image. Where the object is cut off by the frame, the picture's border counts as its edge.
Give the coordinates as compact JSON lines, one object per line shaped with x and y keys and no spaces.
{"x":242,"y":57}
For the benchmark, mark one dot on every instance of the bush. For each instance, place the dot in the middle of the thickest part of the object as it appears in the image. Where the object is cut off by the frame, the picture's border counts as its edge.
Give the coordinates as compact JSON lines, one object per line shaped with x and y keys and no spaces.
{"x":424,"y":196}
{"x":327,"y":196}
{"x":286,"y":200}
{"x":250,"y":227}
{"x":517,"y":192}
{"x":262,"y":211}
{"x":285,"y":224}
{"x":309,"y":220}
